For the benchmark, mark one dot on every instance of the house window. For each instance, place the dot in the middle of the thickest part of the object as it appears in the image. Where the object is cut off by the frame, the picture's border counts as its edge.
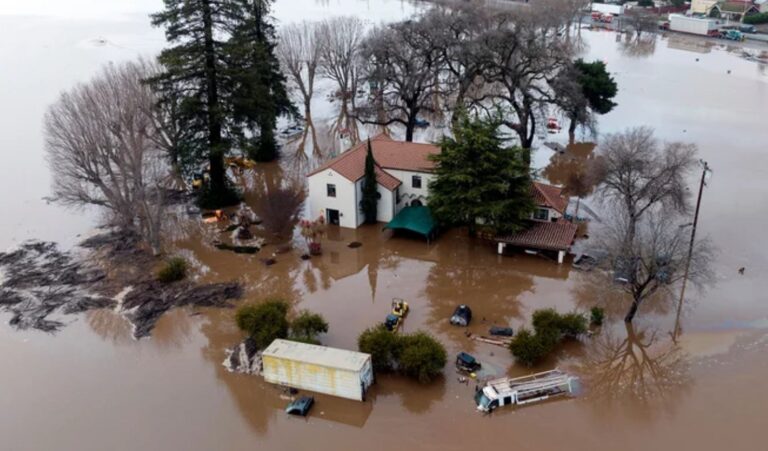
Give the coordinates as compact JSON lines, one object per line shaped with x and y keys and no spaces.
{"x":541,"y":214}
{"x":416,"y":181}
{"x":397,"y":195}
{"x":331,"y":189}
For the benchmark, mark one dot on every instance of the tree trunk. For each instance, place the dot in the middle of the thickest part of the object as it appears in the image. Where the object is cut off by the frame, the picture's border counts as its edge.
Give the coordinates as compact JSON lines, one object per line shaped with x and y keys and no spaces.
{"x":410,"y":127}
{"x":632,"y":311}
{"x":572,"y":132}
{"x":216,"y":152}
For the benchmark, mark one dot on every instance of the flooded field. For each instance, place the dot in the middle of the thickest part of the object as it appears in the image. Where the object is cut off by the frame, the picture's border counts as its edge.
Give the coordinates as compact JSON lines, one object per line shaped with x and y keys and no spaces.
{"x":93,"y":387}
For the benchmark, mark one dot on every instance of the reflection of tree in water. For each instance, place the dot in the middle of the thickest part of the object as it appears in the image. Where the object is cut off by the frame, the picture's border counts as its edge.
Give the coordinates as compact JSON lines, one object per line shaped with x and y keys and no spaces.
{"x":414,"y":397}
{"x":571,"y":169}
{"x":173,"y":329}
{"x":638,"y":372}
{"x":257,"y":403}
{"x":641,"y":46}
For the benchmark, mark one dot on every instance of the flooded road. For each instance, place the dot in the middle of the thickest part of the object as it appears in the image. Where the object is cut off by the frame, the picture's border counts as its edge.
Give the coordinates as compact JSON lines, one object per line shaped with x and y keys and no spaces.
{"x":93,"y":387}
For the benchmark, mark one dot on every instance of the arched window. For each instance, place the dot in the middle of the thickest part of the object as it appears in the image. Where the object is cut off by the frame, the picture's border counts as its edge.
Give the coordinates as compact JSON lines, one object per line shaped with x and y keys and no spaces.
{"x":416,"y":203}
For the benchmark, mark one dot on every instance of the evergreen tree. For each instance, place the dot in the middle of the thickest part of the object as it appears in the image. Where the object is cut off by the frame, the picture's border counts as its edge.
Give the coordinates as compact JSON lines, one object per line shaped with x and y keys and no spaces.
{"x":195,"y":73}
{"x":260,"y":93}
{"x":370,"y":192}
{"x":477,"y":178}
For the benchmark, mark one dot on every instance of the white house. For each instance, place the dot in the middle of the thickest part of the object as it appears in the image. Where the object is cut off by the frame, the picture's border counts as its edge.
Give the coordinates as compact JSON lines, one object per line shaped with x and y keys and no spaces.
{"x":403,"y":173}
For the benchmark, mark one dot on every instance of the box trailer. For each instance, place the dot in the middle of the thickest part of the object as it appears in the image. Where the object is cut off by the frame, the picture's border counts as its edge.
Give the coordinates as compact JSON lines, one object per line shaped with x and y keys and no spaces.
{"x":607,"y":8}
{"x":336,"y":372}
{"x":693,"y":25}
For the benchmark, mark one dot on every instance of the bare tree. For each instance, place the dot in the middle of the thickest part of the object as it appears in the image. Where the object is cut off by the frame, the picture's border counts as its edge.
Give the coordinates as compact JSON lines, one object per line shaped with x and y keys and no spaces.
{"x":299,"y":52}
{"x":341,"y":41}
{"x":101,"y":144}
{"x":656,"y":257}
{"x":526,"y":54}
{"x":637,"y":172}
{"x":641,"y":21}
{"x":404,"y":63}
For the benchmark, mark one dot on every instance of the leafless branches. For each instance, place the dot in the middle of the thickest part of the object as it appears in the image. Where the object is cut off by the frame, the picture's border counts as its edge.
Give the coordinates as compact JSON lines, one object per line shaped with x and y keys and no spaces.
{"x":637,"y":172}
{"x":655,"y":258}
{"x":299,"y":52}
{"x":102,"y":146}
{"x":341,"y":40}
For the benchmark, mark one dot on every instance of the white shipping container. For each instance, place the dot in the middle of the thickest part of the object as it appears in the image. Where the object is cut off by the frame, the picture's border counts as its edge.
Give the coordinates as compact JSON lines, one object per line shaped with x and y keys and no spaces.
{"x":693,"y":25}
{"x":337,"y":372}
{"x":606,"y":8}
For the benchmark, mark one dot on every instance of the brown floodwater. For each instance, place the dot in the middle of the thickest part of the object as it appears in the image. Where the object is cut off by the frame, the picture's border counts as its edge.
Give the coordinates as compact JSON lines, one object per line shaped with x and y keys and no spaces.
{"x":93,"y":387}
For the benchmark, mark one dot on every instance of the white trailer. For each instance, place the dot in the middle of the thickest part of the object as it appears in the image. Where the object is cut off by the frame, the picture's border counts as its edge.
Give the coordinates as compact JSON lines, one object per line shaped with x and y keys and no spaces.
{"x":337,"y":372}
{"x":524,"y":390}
{"x":607,"y":8}
{"x":693,"y":25}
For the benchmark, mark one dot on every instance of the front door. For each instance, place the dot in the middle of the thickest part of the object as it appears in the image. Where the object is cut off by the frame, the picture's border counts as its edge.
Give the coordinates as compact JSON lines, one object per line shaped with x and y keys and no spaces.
{"x":333,"y":217}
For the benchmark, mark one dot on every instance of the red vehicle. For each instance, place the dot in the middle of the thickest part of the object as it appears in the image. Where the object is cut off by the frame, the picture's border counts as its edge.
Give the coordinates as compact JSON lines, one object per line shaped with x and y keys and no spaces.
{"x":600,"y":17}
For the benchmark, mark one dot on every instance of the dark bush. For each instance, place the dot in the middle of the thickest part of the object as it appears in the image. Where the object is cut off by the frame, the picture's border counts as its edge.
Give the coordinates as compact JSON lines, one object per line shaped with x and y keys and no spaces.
{"x":530,"y":348}
{"x":754,"y":19}
{"x":264,"y":322}
{"x":416,"y":355}
{"x":382,"y":345}
{"x":211,"y":200}
{"x":597,"y":316}
{"x":572,"y":325}
{"x":422,"y":357}
{"x":550,"y":328}
{"x":175,"y":269}
{"x":307,"y":326}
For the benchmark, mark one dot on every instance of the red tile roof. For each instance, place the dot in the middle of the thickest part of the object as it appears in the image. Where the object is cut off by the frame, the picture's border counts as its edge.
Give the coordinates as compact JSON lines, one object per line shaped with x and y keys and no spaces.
{"x":550,"y":196}
{"x":389,"y":154}
{"x":551,"y":236}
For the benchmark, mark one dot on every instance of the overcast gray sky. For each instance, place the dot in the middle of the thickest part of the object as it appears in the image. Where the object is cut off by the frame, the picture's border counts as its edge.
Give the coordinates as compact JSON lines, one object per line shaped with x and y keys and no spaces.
{"x":78,"y":8}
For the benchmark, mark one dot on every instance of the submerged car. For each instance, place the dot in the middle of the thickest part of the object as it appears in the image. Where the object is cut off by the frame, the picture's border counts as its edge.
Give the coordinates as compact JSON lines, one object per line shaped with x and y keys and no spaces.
{"x":467,"y":362}
{"x":461,"y":316}
{"x":392,"y":322}
{"x":501,"y":331}
{"x":300,"y":406}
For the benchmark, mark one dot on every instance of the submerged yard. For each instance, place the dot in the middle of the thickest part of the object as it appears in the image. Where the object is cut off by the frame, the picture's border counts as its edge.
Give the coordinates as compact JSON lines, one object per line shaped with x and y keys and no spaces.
{"x":93,"y":386}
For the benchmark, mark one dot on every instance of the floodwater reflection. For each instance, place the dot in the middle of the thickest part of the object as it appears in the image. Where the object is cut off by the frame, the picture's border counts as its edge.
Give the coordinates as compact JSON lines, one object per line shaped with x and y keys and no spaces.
{"x":639,"y":372}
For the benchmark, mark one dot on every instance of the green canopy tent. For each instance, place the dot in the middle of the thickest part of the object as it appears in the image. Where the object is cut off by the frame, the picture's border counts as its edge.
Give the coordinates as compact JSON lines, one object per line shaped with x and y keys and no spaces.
{"x":415,"y":219}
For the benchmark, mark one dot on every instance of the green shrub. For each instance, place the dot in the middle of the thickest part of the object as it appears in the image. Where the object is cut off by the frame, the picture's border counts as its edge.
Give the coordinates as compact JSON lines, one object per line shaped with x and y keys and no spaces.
{"x":307,"y":326}
{"x":422,"y":357}
{"x":597,"y":315}
{"x":417,"y":355}
{"x":529,"y":348}
{"x":572,"y":325}
{"x":382,"y":345}
{"x":754,"y":19}
{"x":546,"y":320}
{"x":175,"y":269}
{"x":264,"y":322}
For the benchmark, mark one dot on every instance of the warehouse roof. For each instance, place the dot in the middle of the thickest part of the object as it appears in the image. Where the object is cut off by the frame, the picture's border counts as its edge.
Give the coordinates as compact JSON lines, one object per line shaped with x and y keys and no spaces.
{"x":316,"y":355}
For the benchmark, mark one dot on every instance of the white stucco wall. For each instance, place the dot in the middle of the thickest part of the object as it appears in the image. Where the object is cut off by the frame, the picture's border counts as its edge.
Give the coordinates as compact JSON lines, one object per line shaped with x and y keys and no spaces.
{"x":407,"y":191}
{"x":345,"y":202}
{"x":385,"y":208}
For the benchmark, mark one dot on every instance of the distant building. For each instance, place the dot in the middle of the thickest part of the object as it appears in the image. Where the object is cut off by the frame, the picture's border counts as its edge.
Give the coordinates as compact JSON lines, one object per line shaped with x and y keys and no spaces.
{"x":403,"y":173}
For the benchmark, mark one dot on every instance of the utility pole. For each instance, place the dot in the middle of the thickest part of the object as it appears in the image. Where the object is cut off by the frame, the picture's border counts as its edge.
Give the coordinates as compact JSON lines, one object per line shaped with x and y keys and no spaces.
{"x":703,"y":183}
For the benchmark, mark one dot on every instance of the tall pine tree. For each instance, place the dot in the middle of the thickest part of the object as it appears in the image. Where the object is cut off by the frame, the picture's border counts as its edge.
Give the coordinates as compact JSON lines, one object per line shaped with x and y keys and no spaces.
{"x":260,"y":92}
{"x":370,"y":191}
{"x":195,"y":72}
{"x":478,"y":178}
